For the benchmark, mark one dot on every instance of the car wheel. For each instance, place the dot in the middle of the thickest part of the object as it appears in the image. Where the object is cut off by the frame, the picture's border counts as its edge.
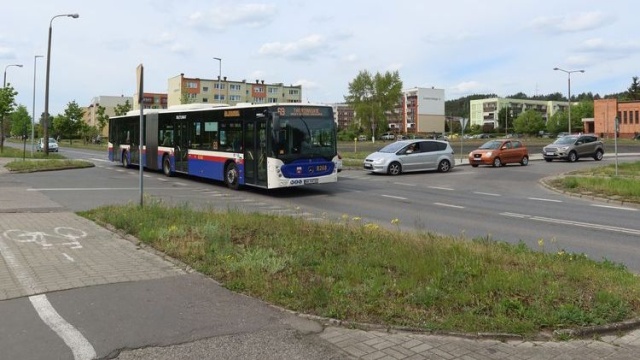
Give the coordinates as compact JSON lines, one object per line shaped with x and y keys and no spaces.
{"x":474,"y":165}
{"x":125,"y":159}
{"x":166,"y":166}
{"x":547,"y":160}
{"x":598,"y":155}
{"x":394,"y":168}
{"x":524,"y":161}
{"x":573,"y":157}
{"x":231,"y":176}
{"x":497,"y":162}
{"x":444,"y":166}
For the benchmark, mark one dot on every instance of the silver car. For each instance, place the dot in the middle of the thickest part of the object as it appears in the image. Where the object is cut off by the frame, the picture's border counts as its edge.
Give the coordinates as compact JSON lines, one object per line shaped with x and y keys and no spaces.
{"x":411,"y":155}
{"x":573,"y":147}
{"x":53,"y":145}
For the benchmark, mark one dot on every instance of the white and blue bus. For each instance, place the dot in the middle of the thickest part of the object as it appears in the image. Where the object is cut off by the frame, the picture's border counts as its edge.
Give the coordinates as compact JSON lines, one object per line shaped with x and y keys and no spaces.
{"x":268,"y":146}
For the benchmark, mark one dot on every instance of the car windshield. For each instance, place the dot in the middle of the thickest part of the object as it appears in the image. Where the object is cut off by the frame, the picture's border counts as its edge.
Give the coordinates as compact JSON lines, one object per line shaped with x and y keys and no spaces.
{"x":493,"y":144}
{"x":393,"y":147}
{"x":565,"y":140}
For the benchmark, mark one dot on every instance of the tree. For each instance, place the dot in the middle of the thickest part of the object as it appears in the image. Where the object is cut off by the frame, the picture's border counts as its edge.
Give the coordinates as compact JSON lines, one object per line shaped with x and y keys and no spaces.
{"x":123,"y":109}
{"x":69,"y":123}
{"x":558,"y":122}
{"x":20,"y":122}
{"x":7,"y":104}
{"x":101,"y":118}
{"x":372,"y":97}
{"x":505,"y":114}
{"x":529,"y":122}
{"x":633,"y":93}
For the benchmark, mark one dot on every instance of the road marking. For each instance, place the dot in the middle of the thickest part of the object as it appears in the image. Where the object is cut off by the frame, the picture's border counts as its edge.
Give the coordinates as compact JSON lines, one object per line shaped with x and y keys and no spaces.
{"x":615,"y":207}
{"x":440,"y":188}
{"x":103,"y":160}
{"x":484,"y":193}
{"x":395,"y":197}
{"x":79,"y":345}
{"x":68,"y":257}
{"x":575,"y":223}
{"x":181,"y":184}
{"x":449,"y":205}
{"x":547,"y":200}
{"x":403,"y":184}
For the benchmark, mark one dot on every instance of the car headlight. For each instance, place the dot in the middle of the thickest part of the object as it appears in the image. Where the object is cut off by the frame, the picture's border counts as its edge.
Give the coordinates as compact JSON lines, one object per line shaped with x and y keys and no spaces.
{"x":378,"y":161}
{"x":488,"y":154}
{"x":564,"y":148}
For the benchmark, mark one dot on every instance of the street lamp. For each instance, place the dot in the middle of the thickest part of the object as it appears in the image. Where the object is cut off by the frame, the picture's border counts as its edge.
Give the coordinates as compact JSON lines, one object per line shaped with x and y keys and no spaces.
{"x":33,"y":108}
{"x":219,"y":76}
{"x":4,"y":85}
{"x":568,"y":72}
{"x":45,"y":126}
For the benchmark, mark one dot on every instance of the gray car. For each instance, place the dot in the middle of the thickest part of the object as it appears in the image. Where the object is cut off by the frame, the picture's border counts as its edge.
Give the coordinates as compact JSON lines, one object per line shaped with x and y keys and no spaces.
{"x":573,"y":147}
{"x":411,"y":155}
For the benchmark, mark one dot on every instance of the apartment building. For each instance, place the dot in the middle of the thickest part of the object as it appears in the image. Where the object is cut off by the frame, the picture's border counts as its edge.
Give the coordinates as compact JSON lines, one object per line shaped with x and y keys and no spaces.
{"x":344,"y":115}
{"x":605,"y":112}
{"x":109,"y":103}
{"x":485,"y":111}
{"x":185,"y":90}
{"x":422,"y":111}
{"x":150,"y":101}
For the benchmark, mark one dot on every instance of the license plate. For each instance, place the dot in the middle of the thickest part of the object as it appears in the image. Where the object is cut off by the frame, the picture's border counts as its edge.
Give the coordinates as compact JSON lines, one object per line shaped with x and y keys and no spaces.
{"x":311,"y":181}
{"x":367,"y":166}
{"x":549,"y":153}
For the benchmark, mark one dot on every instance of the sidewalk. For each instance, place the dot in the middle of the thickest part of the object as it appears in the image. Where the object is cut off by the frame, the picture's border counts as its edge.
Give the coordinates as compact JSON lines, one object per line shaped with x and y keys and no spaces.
{"x":39,"y":212}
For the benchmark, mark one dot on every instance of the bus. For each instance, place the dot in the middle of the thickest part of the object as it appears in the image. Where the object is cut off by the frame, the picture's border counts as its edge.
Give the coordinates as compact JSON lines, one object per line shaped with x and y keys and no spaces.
{"x":267,"y":146}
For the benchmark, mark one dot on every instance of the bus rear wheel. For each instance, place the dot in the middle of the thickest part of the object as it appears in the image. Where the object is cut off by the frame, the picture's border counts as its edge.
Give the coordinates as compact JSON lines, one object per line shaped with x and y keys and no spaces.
{"x":166,"y":166}
{"x":231,"y":176}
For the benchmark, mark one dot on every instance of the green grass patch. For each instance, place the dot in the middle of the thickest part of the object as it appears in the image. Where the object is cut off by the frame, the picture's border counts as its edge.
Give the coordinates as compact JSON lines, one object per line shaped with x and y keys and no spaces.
{"x":9,"y":152}
{"x":29,"y":165}
{"x":361,"y":272}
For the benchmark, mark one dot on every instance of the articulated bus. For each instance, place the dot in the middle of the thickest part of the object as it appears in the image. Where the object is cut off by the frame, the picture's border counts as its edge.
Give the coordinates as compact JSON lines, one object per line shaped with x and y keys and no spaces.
{"x":268,"y":146}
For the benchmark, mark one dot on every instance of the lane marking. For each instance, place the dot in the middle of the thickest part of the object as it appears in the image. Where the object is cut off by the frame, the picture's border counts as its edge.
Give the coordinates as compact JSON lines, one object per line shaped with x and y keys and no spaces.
{"x":404,"y":184}
{"x":575,"y":223}
{"x":615,"y":207}
{"x":440,"y":188}
{"x":449,"y":205}
{"x":547,"y":200}
{"x":68,"y":257}
{"x":484,"y":193}
{"x":79,"y":345}
{"x":96,"y":159}
{"x":394,"y":197}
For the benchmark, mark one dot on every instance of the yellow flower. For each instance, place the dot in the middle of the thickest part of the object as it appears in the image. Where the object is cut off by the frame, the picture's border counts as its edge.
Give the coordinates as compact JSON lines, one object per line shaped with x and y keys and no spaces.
{"x":541,"y":242}
{"x":356,"y":218}
{"x":395,"y":221}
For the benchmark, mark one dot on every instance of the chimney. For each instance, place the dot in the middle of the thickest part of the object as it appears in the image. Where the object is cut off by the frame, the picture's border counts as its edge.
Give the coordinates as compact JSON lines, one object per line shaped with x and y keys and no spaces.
{"x":257,"y":81}
{"x":262,"y":82}
{"x":225,"y":78}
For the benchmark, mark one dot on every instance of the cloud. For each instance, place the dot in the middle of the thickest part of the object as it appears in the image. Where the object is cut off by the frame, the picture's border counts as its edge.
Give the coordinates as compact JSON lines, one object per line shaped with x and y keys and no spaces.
{"x":304,"y":49}
{"x":7,"y":53}
{"x":248,"y":15}
{"x":576,"y":23}
{"x":467,"y":87}
{"x":307,"y":84}
{"x":599,"y":45}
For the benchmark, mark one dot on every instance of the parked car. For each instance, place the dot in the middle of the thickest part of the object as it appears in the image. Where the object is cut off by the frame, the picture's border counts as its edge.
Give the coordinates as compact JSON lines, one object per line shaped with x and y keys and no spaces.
{"x":411,"y":155}
{"x":53,"y":145}
{"x":362,"y":137}
{"x":500,"y":152}
{"x":573,"y":147}
{"x":388,"y":136}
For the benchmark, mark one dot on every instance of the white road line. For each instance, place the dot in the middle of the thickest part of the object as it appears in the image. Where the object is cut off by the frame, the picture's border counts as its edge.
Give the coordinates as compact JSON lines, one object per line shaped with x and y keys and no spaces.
{"x":394,"y":197}
{"x":547,"y":200}
{"x":575,"y":223}
{"x":68,"y":257}
{"x":484,"y":193}
{"x":181,"y":184}
{"x":615,"y":207}
{"x":449,"y":205}
{"x":403,"y":184}
{"x":79,"y":345}
{"x":103,"y":160}
{"x":440,"y":188}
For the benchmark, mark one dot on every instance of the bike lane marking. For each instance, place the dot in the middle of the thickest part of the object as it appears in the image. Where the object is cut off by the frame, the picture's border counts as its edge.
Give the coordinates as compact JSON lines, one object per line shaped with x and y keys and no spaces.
{"x":79,"y":345}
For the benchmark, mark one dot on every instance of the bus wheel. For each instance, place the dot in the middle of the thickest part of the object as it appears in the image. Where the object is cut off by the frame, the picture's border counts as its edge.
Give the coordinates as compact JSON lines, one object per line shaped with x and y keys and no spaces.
{"x":231,"y":176}
{"x":166,"y":166}
{"x":125,"y":159}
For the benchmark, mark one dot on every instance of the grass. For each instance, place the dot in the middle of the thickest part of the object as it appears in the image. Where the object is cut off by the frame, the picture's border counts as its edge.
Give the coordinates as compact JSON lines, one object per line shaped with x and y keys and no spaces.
{"x":603,"y":181}
{"x":39,"y":162}
{"x":360,"y":272}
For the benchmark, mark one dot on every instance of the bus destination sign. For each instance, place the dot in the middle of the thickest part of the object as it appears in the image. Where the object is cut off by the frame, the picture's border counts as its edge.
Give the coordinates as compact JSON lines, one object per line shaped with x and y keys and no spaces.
{"x":304,"y":111}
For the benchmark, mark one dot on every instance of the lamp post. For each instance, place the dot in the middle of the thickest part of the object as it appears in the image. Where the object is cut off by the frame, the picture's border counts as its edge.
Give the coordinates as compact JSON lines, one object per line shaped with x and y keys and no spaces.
{"x":45,"y":126}
{"x":4,"y":85}
{"x":33,"y":108}
{"x":219,"y":76}
{"x":568,"y":72}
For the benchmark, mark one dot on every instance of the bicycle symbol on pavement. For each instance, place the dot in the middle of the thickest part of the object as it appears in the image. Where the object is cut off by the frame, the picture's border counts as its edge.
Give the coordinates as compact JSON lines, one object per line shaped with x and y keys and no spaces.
{"x":64,"y":236}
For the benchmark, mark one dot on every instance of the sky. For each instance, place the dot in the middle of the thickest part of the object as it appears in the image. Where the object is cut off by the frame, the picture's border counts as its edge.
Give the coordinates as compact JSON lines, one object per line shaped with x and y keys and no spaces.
{"x":462,"y":46}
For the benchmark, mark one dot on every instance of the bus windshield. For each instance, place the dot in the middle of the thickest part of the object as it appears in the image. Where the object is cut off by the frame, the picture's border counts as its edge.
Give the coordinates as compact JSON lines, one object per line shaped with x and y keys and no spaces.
{"x":303,"y":137}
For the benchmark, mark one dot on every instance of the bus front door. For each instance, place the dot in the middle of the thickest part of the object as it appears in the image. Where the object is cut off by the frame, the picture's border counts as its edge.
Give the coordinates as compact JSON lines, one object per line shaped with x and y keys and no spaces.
{"x":181,"y":153}
{"x":255,"y":154}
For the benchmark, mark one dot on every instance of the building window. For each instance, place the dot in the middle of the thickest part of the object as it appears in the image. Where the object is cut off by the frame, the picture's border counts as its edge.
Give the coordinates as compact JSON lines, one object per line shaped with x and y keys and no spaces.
{"x":221,"y":97}
{"x":258,"y":89}
{"x":272,"y":100}
{"x":637,"y":117}
{"x":272,"y":90}
{"x":192,"y":85}
{"x":293,"y":92}
{"x":205,"y":88}
{"x":624,"y":117}
{"x":204,"y":100}
{"x":234,"y":97}
{"x":235,"y":87}
{"x":215,"y":86}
